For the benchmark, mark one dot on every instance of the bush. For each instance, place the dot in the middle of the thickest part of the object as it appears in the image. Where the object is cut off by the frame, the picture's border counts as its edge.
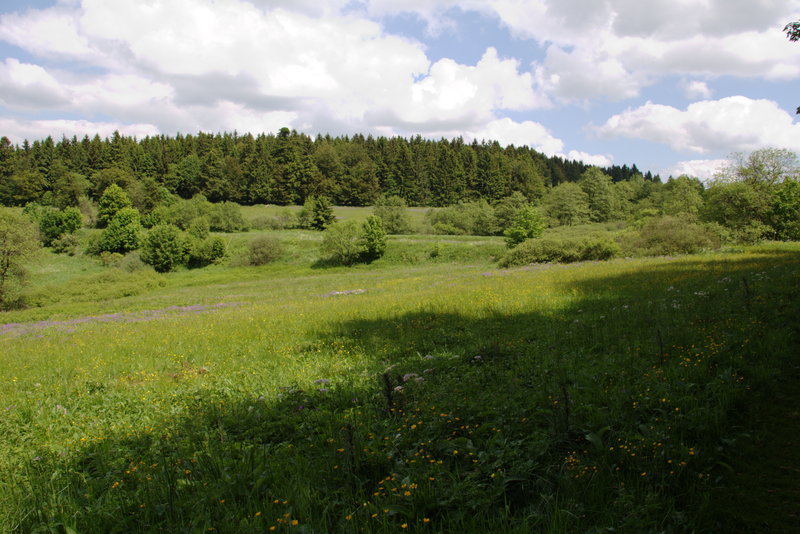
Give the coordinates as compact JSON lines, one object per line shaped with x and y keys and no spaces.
{"x":668,"y":235}
{"x":465,"y":218}
{"x":122,"y":234}
{"x":342,"y":243}
{"x":554,"y":250}
{"x":163,"y":247}
{"x":227,"y":217}
{"x":206,"y":252}
{"x":199,"y":228}
{"x":393,"y":212}
{"x":528,"y":224}
{"x":374,"y":238}
{"x":113,"y":200}
{"x":66,"y":244}
{"x":183,"y":212}
{"x":265,"y":249}
{"x":53,"y":223}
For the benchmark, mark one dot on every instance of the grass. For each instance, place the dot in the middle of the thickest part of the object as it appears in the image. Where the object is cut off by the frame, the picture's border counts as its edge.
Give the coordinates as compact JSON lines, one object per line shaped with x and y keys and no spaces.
{"x":427,"y":392}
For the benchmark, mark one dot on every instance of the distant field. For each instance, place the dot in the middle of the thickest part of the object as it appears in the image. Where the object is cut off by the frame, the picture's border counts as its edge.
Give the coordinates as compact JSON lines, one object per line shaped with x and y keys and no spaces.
{"x":426,"y":392}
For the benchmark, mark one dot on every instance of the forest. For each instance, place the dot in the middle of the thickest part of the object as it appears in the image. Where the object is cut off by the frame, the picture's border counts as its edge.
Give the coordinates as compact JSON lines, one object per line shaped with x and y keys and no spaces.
{"x":283,"y":169}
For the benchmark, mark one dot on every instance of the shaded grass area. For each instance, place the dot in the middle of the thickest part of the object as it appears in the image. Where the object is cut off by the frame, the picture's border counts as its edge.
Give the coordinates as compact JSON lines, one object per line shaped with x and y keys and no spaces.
{"x":576,"y":398}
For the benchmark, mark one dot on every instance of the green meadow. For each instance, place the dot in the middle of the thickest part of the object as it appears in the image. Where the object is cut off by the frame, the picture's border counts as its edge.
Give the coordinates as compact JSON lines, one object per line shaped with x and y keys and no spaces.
{"x":428,"y":391}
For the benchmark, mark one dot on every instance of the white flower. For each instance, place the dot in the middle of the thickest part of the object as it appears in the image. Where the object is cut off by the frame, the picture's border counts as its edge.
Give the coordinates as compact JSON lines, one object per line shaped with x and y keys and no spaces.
{"x":670,"y":288}
{"x":418,"y":380}
{"x":428,"y":357}
{"x":428,"y":371}
{"x":398,"y":389}
{"x":409,"y":376}
{"x":390,"y":368}
{"x":261,"y":398}
{"x":478,"y":358}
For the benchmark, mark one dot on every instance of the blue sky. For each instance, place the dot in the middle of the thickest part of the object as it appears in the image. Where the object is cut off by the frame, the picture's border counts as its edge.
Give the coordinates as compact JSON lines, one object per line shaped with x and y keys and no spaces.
{"x":674,"y":86}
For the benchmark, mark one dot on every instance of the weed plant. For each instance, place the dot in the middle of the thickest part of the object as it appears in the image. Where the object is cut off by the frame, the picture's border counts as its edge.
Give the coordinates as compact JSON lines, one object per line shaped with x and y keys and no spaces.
{"x":592,"y":397}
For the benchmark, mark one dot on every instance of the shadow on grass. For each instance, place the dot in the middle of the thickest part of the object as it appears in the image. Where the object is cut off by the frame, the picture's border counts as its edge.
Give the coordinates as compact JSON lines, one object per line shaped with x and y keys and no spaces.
{"x":592,"y":417}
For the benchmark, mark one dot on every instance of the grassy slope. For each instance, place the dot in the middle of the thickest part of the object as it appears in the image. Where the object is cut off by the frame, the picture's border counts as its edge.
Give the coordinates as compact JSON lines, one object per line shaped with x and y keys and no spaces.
{"x":287,"y":328}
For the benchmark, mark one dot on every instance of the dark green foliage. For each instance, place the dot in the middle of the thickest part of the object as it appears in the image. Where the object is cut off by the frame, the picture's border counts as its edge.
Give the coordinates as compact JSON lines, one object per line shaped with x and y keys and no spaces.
{"x":163,"y":247}
{"x":207,"y":251}
{"x":669,"y":235}
{"x":122,"y":234}
{"x":113,"y":200}
{"x":374,"y":238}
{"x":227,"y":217}
{"x":317,"y":213}
{"x":555,"y":250}
{"x":199,"y":228}
{"x":54,"y":223}
{"x":22,"y":188}
{"x":393,"y":212}
{"x":264,"y":249}
{"x":70,"y":189}
{"x":183,"y":212}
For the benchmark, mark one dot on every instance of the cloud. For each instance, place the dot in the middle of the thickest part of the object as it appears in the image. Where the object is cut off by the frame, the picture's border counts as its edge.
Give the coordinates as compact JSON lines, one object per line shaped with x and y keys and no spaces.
{"x":601,"y":160}
{"x":694,"y":90}
{"x":19,"y":130}
{"x":26,"y":86}
{"x":528,"y":133}
{"x":703,"y":169}
{"x":729,"y":124}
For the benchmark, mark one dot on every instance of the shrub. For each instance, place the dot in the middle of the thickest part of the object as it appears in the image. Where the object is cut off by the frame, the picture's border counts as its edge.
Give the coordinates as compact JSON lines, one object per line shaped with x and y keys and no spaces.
{"x":132,"y":262}
{"x":206,"y":252}
{"x":393,"y":212}
{"x":183,"y":212}
{"x":668,"y":235}
{"x":283,"y":220}
{"x":265,"y":249}
{"x":67,"y":243}
{"x":342,"y":243}
{"x":113,"y":200}
{"x":227,"y":217}
{"x":528,"y":224}
{"x":465,"y":218}
{"x":555,"y":250}
{"x":321,"y":213}
{"x":163,"y":247}
{"x":199,"y":228}
{"x":374,"y":238}
{"x":122,"y":234}
{"x":53,"y":223}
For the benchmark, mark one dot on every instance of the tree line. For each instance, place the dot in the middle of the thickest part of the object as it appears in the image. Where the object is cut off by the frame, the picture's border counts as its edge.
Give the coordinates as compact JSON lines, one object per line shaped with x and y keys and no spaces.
{"x":283,"y":169}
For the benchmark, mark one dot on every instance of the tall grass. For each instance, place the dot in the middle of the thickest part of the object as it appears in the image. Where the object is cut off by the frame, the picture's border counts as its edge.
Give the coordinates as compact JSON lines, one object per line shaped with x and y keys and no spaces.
{"x":409,"y":397}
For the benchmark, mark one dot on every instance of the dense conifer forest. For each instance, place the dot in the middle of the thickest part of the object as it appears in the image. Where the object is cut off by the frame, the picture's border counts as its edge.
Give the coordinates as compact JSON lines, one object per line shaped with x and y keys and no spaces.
{"x":284,"y":169}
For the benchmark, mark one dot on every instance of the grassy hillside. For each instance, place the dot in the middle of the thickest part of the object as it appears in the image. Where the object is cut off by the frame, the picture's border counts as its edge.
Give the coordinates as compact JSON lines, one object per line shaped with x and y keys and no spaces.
{"x":427,"y":392}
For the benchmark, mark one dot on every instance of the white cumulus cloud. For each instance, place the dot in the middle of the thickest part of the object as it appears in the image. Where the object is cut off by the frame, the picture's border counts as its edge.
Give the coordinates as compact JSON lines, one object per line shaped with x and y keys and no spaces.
{"x":729,"y":124}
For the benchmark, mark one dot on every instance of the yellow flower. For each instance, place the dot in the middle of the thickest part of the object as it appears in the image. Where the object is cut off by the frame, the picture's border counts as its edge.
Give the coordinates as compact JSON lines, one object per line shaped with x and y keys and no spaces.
{"x":425,"y":520}
{"x":294,"y":522}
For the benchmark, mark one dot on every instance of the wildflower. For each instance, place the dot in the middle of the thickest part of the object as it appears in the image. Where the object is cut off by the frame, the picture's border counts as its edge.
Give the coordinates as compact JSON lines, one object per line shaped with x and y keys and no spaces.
{"x":398,"y":389}
{"x":428,"y":357}
{"x":409,"y":376}
{"x":321,"y":381}
{"x":478,"y":358}
{"x":294,"y":522}
{"x":419,"y":379}
{"x":323,"y":390}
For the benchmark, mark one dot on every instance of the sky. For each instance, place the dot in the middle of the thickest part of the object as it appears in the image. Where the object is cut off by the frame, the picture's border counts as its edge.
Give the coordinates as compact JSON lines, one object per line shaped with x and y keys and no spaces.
{"x":674,"y":86}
